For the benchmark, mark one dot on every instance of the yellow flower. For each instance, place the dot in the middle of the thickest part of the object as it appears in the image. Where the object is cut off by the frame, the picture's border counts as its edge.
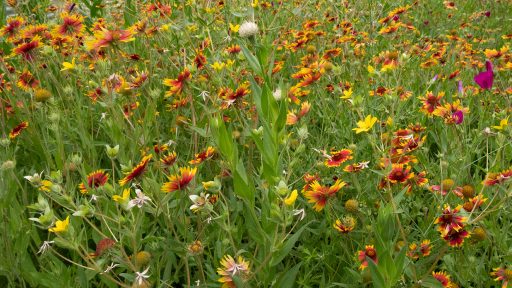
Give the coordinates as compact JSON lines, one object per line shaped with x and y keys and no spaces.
{"x":347,"y":94}
{"x":389,"y":122}
{"x":218,"y":66}
{"x":164,"y":27}
{"x":46,"y":185}
{"x":60,"y":226}
{"x":124,"y":198}
{"x":291,"y":199}
{"x":230,"y":63}
{"x":503,"y":124}
{"x":254,"y":4}
{"x":371,"y":70}
{"x":366,"y":125}
{"x":68,"y":66}
{"x":192,"y":27}
{"x":234,"y":28}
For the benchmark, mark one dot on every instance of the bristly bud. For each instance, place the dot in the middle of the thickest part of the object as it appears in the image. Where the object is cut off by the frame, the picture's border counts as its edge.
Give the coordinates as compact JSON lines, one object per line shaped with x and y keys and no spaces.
{"x":5,"y":142}
{"x":248,"y":29}
{"x":8,"y":165}
{"x":112,"y":152}
{"x":352,"y":205}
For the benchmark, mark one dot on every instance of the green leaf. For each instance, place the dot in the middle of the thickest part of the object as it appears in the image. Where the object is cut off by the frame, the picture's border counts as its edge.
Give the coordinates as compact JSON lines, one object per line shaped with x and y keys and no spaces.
{"x":223,"y":139}
{"x":286,"y":247}
{"x":431,"y":282}
{"x":377,"y":278}
{"x":287,"y":278}
{"x":253,"y":61}
{"x":243,"y":186}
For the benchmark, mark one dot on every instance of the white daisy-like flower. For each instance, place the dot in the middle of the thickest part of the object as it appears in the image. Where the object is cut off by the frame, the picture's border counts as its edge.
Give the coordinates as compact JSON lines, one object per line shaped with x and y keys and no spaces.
{"x":140,"y":277}
{"x":199,"y":201}
{"x":138,"y":201}
{"x":248,"y":29}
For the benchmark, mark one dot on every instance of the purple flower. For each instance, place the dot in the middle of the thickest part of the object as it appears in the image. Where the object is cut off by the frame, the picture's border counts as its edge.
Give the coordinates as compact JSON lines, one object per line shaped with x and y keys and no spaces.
{"x":458,"y":117}
{"x":485,"y":79}
{"x":461,"y":88}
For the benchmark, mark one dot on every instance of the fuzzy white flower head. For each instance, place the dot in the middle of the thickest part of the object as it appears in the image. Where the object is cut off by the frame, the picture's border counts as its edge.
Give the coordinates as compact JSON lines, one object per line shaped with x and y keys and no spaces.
{"x":248,"y":29}
{"x":277,"y":94}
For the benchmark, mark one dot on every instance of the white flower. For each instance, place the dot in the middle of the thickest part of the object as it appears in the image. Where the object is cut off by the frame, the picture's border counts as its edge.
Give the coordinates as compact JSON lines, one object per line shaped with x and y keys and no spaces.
{"x":248,"y":29}
{"x":199,"y":201}
{"x":364,"y":165}
{"x":45,"y":246}
{"x":36,"y":178}
{"x":109,"y":268}
{"x":277,"y":94}
{"x":204,"y":95}
{"x":141,"y":276}
{"x":138,"y":201}
{"x":301,"y":213}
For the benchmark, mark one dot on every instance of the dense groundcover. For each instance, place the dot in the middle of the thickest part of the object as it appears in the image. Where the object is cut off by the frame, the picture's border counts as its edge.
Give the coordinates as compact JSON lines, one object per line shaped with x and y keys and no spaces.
{"x":252,"y":143}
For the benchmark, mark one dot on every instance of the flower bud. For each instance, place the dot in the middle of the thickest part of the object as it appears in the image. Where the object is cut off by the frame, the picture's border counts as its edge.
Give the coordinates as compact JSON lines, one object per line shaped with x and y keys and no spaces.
{"x":352,"y":205}
{"x":112,"y":152}
{"x":8,"y":165}
{"x":248,"y":29}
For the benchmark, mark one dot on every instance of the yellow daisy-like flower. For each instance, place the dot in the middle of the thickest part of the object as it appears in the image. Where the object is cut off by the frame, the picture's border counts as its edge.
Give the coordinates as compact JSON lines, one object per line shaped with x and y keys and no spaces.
{"x":68,"y":66}
{"x":347,"y":94}
{"x":366,"y":124}
{"x":234,"y":28}
{"x":60,"y":226}
{"x":123,"y":198}
{"x":291,"y":199}
{"x":503,"y":124}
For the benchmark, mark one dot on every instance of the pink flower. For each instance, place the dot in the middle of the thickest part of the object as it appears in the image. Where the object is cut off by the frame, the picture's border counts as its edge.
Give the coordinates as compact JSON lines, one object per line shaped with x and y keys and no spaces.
{"x":485,"y":79}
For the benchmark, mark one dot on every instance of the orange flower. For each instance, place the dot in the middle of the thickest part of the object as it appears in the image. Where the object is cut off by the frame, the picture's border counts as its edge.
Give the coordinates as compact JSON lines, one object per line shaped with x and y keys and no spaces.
{"x":450,"y":220}
{"x":338,"y":157}
{"x":104,"y":38}
{"x":292,"y":118}
{"x":17,"y":130}
{"x":231,"y":268}
{"x":230,"y":97}
{"x":474,"y":203}
{"x":319,"y":194}
{"x":72,"y":25}
{"x":497,"y":178}
{"x":203,"y":156}
{"x":27,"y":49}
{"x":345,"y":225}
{"x":136,"y":171}
{"x":430,"y":102}
{"x":502,"y":274}
{"x":11,"y":28}
{"x":27,"y":81}
{"x":443,"y":278}
{"x":234,"y":49}
{"x":452,"y":113}
{"x":169,"y":159}
{"x":456,"y":238}
{"x":176,"y":85}
{"x":179,"y":181}
{"x":400,"y":173}
{"x":370,"y":252}
{"x":95,"y":179}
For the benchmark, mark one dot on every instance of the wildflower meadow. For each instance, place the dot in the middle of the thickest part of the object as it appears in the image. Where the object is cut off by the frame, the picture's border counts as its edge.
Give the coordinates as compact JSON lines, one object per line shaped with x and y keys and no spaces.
{"x":252,"y":143}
